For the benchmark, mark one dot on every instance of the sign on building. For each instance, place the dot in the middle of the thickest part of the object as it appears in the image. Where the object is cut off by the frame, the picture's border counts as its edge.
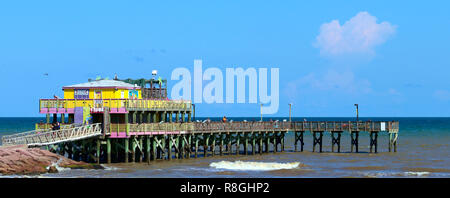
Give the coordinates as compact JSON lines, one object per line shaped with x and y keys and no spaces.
{"x":81,"y":94}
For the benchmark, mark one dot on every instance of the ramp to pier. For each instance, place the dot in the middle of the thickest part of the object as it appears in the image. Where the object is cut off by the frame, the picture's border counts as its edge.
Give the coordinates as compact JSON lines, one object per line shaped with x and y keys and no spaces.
{"x":47,"y":137}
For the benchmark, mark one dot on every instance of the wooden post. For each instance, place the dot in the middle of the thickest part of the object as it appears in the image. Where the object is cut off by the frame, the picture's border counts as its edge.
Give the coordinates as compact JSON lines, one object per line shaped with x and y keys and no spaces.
{"x":238,"y":146}
{"x":141,"y":148}
{"x":267,"y":141}
{"x":63,"y":118}
{"x":153,"y":140}
{"x":229,"y":139}
{"x":126,"y":140}
{"x":148,"y":144}
{"x":98,"y":151}
{"x":274,"y":141}
{"x":221,"y":144}
{"x":182,"y":146}
{"x":253,"y":143}
{"x":133,"y":149}
{"x":205,"y":144}
{"x":47,"y":116}
{"x":169,"y":150}
{"x":213,"y":145}
{"x":246,"y":143}
{"x":196,"y":145}
{"x":282,"y":141}
{"x":108,"y":150}
{"x":260,"y":142}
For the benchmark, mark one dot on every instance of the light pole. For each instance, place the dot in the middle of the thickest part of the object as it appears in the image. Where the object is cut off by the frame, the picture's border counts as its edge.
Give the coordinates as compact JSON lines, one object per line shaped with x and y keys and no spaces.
{"x":357,"y":116}
{"x":261,"y":111}
{"x":193,"y":105}
{"x":290,"y":104}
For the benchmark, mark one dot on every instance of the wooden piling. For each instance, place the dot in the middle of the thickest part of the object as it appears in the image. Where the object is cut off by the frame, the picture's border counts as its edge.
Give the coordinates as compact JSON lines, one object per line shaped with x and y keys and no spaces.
{"x":336,"y":140}
{"x":317,"y":140}
{"x":373,"y":140}
{"x":354,"y":140}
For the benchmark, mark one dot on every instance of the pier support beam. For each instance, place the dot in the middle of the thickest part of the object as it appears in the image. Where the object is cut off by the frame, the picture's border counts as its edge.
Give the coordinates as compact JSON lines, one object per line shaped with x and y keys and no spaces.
{"x":126,"y":146}
{"x":354,"y":136}
{"x":238,"y":144}
{"x":253,"y":143}
{"x":205,"y":144}
{"x":108,"y":151}
{"x":148,"y":150}
{"x":317,"y":140}
{"x":260,"y":143}
{"x":195,"y":136}
{"x":154,"y":148}
{"x":98,"y":151}
{"x":373,"y":140}
{"x":246,"y":143}
{"x":266,"y":142}
{"x":336,"y":140}
{"x":274,"y":142}
{"x":393,"y":136}
{"x":298,"y":138}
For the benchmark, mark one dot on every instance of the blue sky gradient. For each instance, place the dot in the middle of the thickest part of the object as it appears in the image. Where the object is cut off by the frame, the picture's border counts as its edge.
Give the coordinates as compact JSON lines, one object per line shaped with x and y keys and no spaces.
{"x":405,"y":75}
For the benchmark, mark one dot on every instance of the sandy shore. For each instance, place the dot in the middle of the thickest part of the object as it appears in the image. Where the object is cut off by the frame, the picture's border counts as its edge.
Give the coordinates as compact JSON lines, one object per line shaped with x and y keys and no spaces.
{"x":23,"y":160}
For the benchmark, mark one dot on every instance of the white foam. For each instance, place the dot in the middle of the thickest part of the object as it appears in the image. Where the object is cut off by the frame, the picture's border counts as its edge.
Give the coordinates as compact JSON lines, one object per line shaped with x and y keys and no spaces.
{"x":110,"y":168}
{"x":56,"y":165}
{"x":256,"y":166}
{"x":419,"y":174}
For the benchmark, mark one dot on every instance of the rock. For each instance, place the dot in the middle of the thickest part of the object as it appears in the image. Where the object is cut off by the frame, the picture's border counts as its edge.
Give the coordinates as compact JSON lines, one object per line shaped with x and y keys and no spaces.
{"x":22,"y":160}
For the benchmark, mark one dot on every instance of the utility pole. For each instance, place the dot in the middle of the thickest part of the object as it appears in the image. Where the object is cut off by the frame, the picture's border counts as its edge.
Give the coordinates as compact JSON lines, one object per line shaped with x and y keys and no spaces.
{"x":357,"y":114}
{"x":193,"y":105}
{"x":290,"y":104}
{"x":261,"y":112}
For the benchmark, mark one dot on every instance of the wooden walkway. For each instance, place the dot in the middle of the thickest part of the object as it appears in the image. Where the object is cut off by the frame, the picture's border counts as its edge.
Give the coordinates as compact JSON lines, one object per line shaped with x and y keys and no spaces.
{"x":68,"y":133}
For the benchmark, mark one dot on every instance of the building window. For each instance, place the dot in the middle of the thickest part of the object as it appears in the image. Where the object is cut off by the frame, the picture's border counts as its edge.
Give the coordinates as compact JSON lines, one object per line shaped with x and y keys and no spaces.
{"x":81,"y":94}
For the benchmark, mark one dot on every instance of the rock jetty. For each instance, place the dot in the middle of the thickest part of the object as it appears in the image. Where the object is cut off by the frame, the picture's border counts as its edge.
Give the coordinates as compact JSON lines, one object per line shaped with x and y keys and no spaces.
{"x":30,"y":161}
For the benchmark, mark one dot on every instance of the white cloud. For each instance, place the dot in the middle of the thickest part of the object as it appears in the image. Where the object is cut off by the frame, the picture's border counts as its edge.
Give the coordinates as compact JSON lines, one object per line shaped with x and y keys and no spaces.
{"x":333,"y":81}
{"x":360,"y":34}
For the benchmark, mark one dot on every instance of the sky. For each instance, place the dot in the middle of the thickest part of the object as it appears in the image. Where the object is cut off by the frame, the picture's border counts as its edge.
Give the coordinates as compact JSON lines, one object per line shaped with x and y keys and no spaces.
{"x":392,"y":58}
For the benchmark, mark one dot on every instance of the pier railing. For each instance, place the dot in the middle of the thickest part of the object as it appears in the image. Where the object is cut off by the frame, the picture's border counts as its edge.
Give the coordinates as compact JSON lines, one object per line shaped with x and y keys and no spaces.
{"x":218,"y":127}
{"x":47,"y":137}
{"x":152,"y":127}
{"x":46,"y":105}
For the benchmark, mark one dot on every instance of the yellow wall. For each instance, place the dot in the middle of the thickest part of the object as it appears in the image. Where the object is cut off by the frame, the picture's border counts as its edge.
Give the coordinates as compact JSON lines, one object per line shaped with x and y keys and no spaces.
{"x":106,"y":93}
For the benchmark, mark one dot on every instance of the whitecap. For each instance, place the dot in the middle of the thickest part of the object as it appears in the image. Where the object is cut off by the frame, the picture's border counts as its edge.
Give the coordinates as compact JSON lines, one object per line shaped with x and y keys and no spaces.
{"x":419,"y":174}
{"x":255,"y":166}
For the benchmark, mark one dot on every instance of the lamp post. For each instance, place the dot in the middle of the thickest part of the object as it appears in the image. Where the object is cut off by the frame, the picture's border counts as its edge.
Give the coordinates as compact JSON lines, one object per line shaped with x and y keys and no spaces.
{"x":261,"y":112}
{"x":290,"y":104}
{"x":193,"y":105}
{"x":357,"y":115}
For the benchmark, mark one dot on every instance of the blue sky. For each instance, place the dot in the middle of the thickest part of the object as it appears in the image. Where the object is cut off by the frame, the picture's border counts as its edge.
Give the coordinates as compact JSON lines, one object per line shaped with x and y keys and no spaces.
{"x":401,"y":68}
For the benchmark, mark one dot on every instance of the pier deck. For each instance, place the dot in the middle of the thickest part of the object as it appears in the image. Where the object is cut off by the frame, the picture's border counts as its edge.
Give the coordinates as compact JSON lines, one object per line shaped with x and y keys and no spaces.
{"x":151,"y":141}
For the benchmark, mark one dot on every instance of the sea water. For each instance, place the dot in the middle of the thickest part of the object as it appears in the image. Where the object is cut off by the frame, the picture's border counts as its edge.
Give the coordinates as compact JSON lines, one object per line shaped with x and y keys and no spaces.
{"x":423,"y":151}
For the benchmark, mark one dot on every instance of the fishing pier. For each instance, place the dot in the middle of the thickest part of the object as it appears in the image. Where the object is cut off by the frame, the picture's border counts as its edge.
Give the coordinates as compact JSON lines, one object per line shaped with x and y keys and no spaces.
{"x":112,"y":121}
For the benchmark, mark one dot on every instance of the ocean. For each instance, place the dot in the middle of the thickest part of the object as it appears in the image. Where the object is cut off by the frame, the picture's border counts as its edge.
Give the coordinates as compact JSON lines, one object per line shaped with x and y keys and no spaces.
{"x":423,"y":151}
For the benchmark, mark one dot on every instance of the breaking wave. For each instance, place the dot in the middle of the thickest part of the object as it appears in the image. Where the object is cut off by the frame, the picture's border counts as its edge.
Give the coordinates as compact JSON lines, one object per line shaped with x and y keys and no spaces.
{"x":256,"y":166}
